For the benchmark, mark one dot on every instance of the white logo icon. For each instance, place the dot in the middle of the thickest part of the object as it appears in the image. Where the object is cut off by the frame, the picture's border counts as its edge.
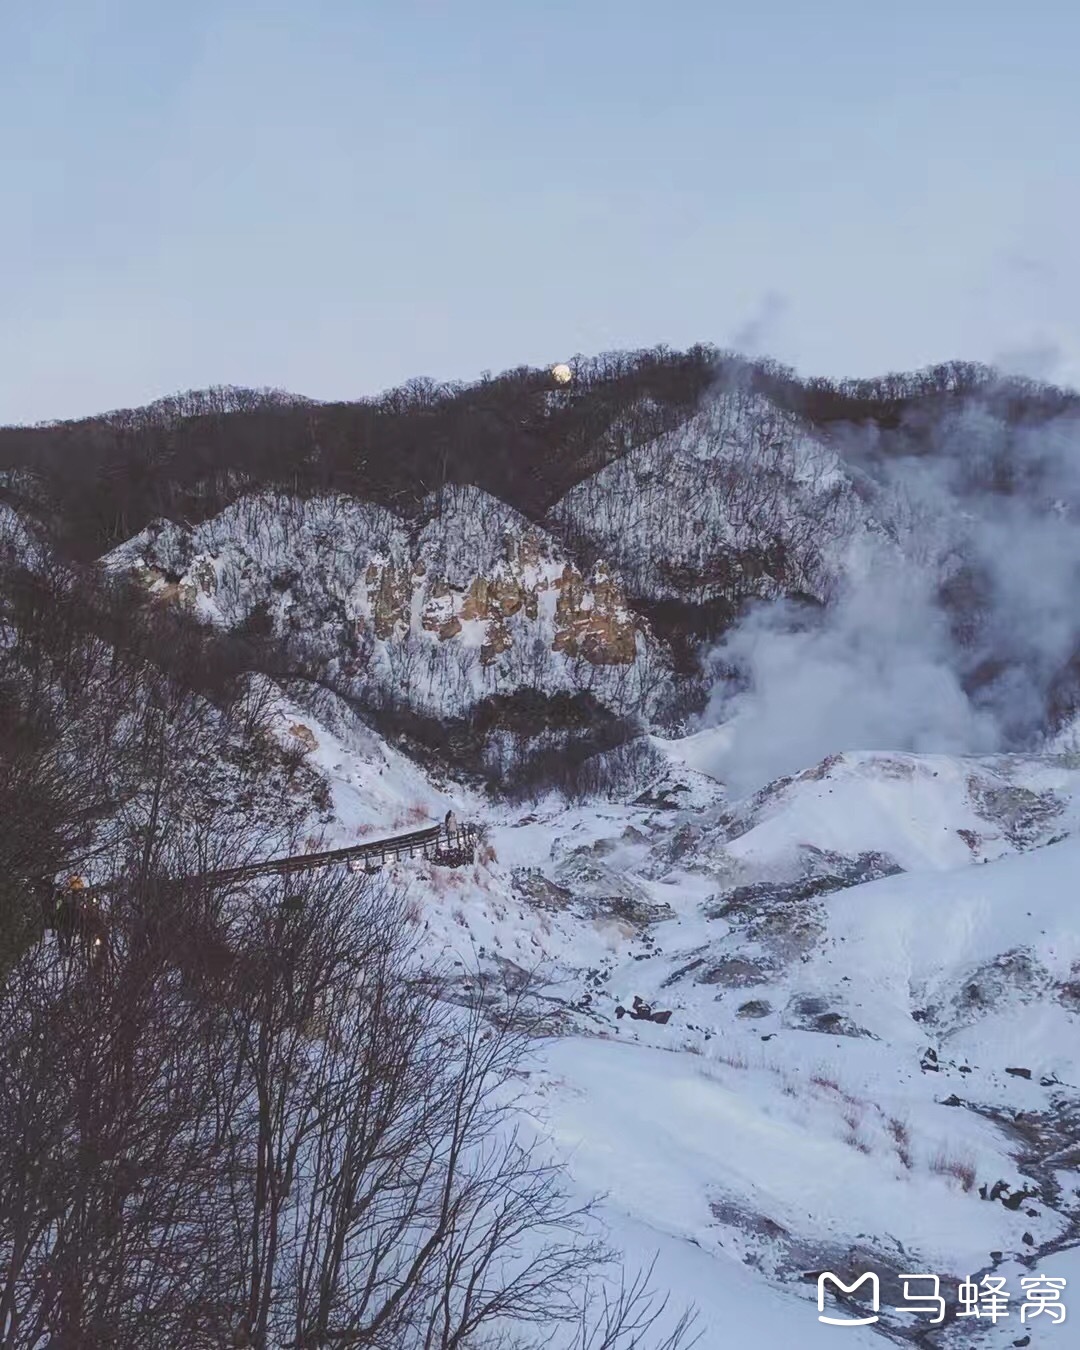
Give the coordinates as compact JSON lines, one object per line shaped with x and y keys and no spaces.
{"x":827,"y":1277}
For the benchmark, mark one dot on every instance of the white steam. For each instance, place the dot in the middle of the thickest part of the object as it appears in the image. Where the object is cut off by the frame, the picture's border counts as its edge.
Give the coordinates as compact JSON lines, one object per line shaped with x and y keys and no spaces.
{"x":955,"y":609}
{"x":874,"y":675}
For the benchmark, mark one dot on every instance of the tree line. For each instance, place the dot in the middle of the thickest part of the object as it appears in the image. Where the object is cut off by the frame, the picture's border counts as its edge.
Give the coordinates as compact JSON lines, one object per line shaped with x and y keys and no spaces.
{"x":96,"y":481}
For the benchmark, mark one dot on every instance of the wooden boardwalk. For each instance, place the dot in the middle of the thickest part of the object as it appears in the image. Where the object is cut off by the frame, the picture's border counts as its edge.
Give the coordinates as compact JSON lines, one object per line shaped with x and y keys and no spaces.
{"x":78,"y":916}
{"x":437,"y":843}
{"x":452,"y":847}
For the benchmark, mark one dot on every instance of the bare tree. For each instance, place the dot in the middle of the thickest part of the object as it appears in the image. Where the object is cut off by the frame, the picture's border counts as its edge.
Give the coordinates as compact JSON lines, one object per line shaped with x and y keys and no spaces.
{"x":382,"y":1194}
{"x":112,"y":1208}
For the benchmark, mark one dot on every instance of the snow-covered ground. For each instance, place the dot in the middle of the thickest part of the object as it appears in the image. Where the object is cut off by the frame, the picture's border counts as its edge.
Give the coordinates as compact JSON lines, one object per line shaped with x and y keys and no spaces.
{"x":872,"y":976}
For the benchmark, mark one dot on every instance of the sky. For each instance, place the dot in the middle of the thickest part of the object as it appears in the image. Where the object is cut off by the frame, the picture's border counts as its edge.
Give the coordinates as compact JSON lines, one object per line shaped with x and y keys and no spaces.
{"x":332,"y":196}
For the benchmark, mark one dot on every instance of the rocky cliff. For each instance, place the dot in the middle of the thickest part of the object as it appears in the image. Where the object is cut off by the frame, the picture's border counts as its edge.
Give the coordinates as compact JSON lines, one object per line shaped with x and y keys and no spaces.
{"x":467,"y":600}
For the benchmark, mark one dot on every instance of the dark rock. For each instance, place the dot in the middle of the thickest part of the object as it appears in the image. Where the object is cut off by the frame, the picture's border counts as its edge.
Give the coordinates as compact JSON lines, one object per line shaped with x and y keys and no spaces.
{"x":630,"y":909}
{"x":676,"y":975}
{"x":1069,"y":994}
{"x":828,"y":872}
{"x":1023,"y":815}
{"x":643,"y":1012}
{"x":755,"y":1007}
{"x":1019,"y":1073}
{"x":1017,"y":1198}
{"x":811,"y":1012}
{"x":536,"y":889}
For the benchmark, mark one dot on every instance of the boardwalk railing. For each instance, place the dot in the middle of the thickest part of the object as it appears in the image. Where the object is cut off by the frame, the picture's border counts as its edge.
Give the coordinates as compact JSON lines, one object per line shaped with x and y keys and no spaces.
{"x":438,"y":843}
{"x":451,"y":846}
{"x":77,"y":917}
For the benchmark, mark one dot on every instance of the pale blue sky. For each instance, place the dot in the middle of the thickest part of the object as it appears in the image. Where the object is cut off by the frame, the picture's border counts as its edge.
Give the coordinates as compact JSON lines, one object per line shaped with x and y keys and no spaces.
{"x":333,"y":195}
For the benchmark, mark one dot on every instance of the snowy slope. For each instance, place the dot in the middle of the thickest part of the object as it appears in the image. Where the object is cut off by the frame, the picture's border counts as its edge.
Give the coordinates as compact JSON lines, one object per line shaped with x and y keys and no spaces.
{"x":832,"y":1089}
{"x":738,"y":500}
{"x":782,"y":1144}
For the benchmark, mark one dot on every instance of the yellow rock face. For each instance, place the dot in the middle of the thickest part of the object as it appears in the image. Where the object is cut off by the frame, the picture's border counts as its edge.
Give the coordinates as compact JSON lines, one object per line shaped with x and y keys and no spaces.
{"x":181,"y":593}
{"x":495,"y":598}
{"x":592,"y":619}
{"x":389,"y":595}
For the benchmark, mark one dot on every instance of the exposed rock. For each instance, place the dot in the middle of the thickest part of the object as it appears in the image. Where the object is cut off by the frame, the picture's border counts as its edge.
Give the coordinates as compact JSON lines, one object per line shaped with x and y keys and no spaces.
{"x":592,"y":618}
{"x":1022,"y":815}
{"x":203,"y":576}
{"x":389,"y":591}
{"x":791,"y":1257}
{"x":827,"y":872}
{"x":602,"y":891}
{"x":468,"y":572}
{"x":810,"y":1012}
{"x":684,"y":840}
{"x":1017,"y":975}
{"x":438,"y":614}
{"x":584,"y":896}
{"x":687,"y":969}
{"x":1068,"y":993}
{"x":734,"y":972}
{"x":538,"y":890}
{"x":817,"y":771}
{"x":641,"y":914}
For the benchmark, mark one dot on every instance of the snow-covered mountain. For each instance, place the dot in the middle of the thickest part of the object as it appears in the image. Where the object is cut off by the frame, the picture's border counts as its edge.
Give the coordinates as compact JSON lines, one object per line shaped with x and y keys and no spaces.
{"x":739,"y":500}
{"x":469,"y":599}
{"x":801,"y":912}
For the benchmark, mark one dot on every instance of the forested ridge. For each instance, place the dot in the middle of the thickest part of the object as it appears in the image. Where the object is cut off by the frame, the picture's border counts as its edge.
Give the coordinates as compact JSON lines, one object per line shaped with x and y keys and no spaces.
{"x":518,"y":435}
